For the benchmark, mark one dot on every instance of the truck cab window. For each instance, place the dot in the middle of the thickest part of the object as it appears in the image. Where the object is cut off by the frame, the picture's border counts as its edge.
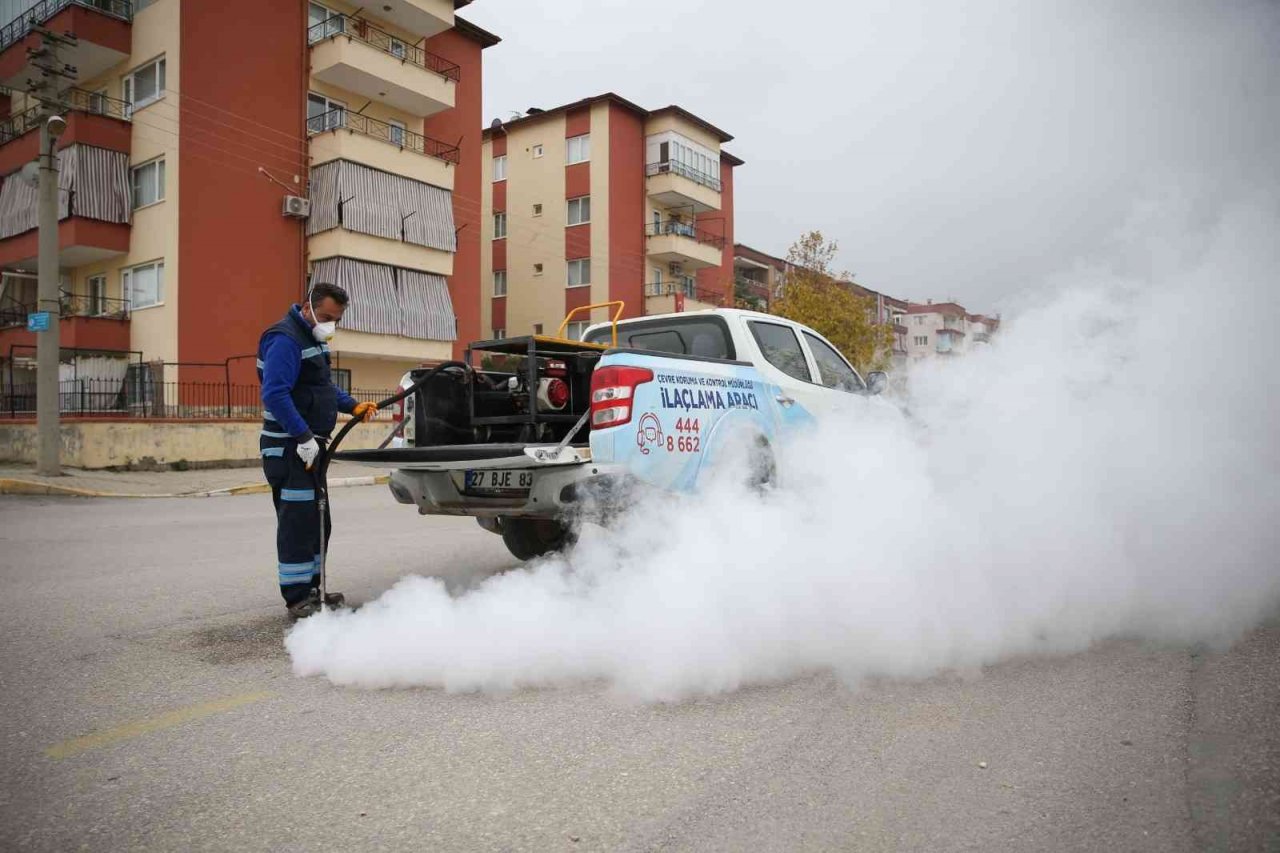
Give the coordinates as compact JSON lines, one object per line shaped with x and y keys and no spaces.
{"x":781,"y":348}
{"x":836,"y":373}
{"x":701,"y":336}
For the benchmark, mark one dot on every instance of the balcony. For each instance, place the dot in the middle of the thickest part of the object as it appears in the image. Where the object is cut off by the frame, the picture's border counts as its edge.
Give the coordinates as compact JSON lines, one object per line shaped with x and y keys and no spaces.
{"x":681,"y":243}
{"x":673,"y":184}
{"x":751,"y":293}
{"x":344,"y":135}
{"x":354,"y":55}
{"x":341,"y":243}
{"x":88,"y":322}
{"x":92,"y":119}
{"x":94,"y":210}
{"x":424,"y":17}
{"x":103,"y":29}
{"x":669,"y":297}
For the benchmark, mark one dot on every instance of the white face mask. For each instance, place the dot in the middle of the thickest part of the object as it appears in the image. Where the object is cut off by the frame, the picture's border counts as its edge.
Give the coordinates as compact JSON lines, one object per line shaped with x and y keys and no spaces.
{"x":321,"y":331}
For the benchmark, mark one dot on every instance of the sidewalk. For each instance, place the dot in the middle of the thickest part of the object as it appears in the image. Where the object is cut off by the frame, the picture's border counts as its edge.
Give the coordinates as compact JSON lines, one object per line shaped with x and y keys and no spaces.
{"x":211,"y":482}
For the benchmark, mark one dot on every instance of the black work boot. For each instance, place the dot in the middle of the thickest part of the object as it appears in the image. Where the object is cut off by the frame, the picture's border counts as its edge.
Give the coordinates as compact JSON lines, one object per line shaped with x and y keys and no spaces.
{"x":310,"y":605}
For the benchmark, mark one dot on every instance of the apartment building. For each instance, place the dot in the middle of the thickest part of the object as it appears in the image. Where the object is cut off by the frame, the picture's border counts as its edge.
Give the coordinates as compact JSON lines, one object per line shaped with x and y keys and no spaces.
{"x":199,"y":134}
{"x":942,"y":329}
{"x":758,"y":277}
{"x":602,"y":200}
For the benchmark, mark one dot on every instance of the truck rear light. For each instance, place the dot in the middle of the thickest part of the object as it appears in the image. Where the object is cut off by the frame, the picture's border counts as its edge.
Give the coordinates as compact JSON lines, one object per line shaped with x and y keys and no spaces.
{"x":612,"y":390}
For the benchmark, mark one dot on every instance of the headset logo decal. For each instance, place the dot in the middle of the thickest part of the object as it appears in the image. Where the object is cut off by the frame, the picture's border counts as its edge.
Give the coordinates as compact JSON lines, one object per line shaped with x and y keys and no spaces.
{"x":648,"y":431}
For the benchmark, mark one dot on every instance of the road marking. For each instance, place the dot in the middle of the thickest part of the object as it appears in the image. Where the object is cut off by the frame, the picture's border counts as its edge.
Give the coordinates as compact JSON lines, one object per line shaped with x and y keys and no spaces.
{"x":106,"y":737}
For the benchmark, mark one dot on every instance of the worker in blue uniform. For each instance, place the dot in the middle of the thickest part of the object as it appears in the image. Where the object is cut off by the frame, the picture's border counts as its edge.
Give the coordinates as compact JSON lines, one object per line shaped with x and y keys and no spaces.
{"x":300,"y":408}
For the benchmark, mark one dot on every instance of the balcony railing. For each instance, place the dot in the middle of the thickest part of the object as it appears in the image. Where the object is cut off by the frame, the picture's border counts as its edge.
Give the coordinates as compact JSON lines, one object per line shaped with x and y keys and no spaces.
{"x":341,"y":119}
{"x":684,"y":229}
{"x":78,"y":100}
{"x":17,"y":29}
{"x":675,"y":168}
{"x":362,"y":31}
{"x":14,"y":312}
{"x":687,"y":287}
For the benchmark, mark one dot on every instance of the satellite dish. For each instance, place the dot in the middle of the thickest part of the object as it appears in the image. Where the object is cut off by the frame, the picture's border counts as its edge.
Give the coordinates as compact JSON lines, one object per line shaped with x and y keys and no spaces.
{"x":496,"y":124}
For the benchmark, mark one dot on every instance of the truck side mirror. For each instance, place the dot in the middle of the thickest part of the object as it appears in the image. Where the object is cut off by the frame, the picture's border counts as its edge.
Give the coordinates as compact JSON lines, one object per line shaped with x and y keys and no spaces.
{"x":877,"y":381}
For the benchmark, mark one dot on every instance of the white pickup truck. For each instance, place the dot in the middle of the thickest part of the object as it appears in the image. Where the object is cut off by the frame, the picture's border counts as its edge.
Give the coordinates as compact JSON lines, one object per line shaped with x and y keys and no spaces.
{"x":543,"y":428}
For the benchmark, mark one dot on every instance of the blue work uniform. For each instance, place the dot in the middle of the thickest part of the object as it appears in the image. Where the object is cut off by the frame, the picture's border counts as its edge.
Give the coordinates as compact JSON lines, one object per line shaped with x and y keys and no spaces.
{"x":299,"y":402}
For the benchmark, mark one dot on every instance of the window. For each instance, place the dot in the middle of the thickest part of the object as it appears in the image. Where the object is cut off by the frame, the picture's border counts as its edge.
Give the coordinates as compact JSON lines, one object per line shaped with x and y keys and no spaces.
{"x":324,"y":113}
{"x":499,"y":282}
{"x":499,"y":334}
{"x":500,"y":168}
{"x":323,"y":23}
{"x":575,"y":330}
{"x":398,"y":129}
{"x":689,"y":286}
{"x":396,"y":48}
{"x":97,"y":286}
{"x":145,"y":85}
{"x":143,"y":285}
{"x":499,"y":226}
{"x":579,"y":272}
{"x":580,"y":210}
{"x":921,"y":340}
{"x":537,"y":210}
{"x":342,"y":378}
{"x":707,"y":337}
{"x":148,"y":183}
{"x":537,"y":269}
{"x":919,"y":321}
{"x":781,"y":348}
{"x":835,"y":371}
{"x":578,"y":149}
{"x":537,"y":151}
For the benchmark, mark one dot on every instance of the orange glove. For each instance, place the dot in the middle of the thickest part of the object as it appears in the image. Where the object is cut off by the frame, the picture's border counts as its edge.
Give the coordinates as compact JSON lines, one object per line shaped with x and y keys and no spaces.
{"x":365,"y":411}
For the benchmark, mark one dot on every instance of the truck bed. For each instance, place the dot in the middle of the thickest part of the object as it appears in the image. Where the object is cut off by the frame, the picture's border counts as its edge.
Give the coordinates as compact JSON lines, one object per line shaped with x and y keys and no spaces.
{"x":448,"y":456}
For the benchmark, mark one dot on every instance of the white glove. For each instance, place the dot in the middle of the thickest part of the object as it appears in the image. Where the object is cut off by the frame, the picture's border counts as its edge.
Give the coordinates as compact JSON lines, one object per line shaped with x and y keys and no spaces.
{"x":308,"y":450}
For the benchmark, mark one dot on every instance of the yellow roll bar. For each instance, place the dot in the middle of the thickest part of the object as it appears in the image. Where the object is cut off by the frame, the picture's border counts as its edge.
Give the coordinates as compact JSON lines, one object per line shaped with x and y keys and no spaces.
{"x":617,"y":315}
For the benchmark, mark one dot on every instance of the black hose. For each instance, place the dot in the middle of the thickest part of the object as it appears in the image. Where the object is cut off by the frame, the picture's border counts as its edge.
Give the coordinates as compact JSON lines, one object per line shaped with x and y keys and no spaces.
{"x":322,"y":468}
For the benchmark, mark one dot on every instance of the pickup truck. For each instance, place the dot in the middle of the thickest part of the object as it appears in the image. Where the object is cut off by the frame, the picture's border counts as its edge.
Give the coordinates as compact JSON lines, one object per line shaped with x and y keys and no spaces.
{"x":546,"y":431}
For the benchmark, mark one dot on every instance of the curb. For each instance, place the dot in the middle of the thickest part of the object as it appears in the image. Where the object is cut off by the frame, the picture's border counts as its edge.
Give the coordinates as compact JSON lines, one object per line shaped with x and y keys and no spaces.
{"x":36,"y":488}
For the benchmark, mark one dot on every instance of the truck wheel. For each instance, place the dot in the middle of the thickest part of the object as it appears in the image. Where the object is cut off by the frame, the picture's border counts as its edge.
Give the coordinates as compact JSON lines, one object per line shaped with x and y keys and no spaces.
{"x":529,"y":538}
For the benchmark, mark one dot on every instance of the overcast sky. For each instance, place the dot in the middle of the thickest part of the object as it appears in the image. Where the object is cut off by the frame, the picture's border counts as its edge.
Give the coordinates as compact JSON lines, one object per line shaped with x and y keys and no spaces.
{"x":953,"y":149}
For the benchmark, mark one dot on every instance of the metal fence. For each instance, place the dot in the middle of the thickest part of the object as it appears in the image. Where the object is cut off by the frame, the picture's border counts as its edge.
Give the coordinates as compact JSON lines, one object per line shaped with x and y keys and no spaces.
{"x":78,"y":100}
{"x":343,"y":119}
{"x":675,"y":167}
{"x":136,"y":396}
{"x":41,"y":12}
{"x":689,"y":290}
{"x":684,"y":229}
{"x":361,"y":30}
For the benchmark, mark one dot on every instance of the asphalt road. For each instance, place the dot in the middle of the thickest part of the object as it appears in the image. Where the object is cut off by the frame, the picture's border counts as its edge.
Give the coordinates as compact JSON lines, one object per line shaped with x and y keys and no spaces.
{"x":146,"y":702}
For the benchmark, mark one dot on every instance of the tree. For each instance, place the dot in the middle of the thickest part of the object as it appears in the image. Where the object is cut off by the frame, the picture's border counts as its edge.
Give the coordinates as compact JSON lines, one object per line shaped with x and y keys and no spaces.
{"x":821,"y":299}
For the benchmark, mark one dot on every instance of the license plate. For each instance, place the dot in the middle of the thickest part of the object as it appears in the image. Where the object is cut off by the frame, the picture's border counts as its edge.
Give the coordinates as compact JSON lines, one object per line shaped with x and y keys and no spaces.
{"x":498,"y":481}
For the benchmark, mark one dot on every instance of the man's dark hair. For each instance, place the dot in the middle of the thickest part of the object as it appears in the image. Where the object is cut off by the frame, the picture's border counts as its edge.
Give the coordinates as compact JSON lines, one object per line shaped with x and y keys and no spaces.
{"x":321,"y":289}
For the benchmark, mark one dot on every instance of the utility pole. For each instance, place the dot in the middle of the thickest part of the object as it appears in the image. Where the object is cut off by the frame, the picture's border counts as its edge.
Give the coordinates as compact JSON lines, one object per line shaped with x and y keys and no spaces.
{"x":50,"y":91}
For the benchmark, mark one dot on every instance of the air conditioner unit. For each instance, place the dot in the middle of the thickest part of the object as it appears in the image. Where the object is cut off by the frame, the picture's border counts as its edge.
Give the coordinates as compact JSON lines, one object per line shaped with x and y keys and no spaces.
{"x":297,"y":207}
{"x":675,"y":268}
